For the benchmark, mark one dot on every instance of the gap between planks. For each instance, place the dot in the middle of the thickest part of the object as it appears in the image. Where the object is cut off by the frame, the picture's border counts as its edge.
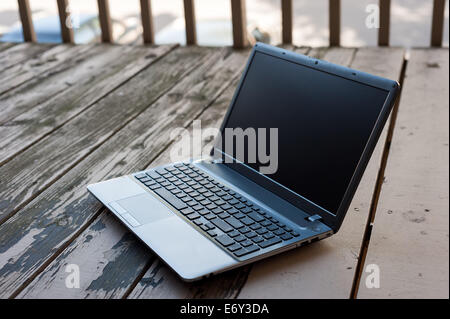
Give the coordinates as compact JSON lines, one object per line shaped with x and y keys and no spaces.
{"x":378,"y":187}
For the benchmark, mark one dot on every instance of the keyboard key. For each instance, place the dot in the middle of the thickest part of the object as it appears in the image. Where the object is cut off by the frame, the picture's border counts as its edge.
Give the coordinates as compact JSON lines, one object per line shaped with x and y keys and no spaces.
{"x":272,"y":227}
{"x":266,"y":223}
{"x":270,"y":242}
{"x":257,"y":239}
{"x":171,"y":199}
{"x":210,"y":216}
{"x":295,"y":234}
{"x":279,"y":232}
{"x":153,"y":174}
{"x":261,"y":231}
{"x":222,"y":225}
{"x":269,"y":235}
{"x":234,"y":247}
{"x":241,"y":252}
{"x":247,"y":221}
{"x":255,"y":226}
{"x":244,"y":230}
{"x":140,"y":175}
{"x":240,"y":215}
{"x":256,"y":217}
{"x":246,"y":210}
{"x":252,"y":248}
{"x":251,"y":234}
{"x":225,"y":240}
{"x":234,"y":222}
{"x":212,"y":233}
{"x":239,"y":238}
{"x":153,"y":187}
{"x":286,"y":237}
{"x":234,"y":233}
{"x":187,"y":211}
{"x":193,"y":216}
{"x":233,"y":211}
{"x":246,"y":243}
{"x":198,"y":222}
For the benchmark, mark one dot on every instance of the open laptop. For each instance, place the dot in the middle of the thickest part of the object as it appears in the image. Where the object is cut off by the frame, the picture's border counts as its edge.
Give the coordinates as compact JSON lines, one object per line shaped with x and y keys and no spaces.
{"x":295,"y":142}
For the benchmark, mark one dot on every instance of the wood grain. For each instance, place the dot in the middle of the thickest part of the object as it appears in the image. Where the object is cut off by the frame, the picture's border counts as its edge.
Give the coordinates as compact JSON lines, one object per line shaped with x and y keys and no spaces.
{"x":105,"y":72}
{"x":179,"y":107}
{"x":409,"y":240}
{"x":43,"y":87}
{"x":124,"y":152}
{"x":37,"y":65}
{"x":21,"y":52}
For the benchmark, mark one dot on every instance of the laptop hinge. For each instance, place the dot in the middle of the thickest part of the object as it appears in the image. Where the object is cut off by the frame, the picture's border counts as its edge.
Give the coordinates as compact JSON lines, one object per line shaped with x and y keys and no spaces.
{"x":315,"y":217}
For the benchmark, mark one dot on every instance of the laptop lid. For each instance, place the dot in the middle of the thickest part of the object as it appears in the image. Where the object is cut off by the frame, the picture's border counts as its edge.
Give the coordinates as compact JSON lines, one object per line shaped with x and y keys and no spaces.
{"x":304,"y":129}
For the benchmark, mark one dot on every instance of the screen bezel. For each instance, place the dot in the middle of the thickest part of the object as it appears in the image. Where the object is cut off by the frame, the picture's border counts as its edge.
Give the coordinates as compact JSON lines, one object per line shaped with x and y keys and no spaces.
{"x":334,"y":221}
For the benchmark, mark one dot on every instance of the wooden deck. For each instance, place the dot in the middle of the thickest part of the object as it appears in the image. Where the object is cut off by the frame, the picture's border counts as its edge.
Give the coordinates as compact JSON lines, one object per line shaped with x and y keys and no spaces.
{"x":73,"y":115}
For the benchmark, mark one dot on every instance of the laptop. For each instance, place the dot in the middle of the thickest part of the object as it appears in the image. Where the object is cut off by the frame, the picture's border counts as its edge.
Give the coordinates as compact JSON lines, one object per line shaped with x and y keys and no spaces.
{"x":281,"y":173}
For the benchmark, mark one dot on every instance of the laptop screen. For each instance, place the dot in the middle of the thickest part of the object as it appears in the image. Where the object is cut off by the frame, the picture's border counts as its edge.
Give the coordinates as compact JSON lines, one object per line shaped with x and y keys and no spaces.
{"x":303,"y":128}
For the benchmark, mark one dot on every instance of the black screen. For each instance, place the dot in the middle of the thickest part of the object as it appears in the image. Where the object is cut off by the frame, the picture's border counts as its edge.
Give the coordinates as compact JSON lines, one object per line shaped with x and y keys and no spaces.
{"x":324,"y":122}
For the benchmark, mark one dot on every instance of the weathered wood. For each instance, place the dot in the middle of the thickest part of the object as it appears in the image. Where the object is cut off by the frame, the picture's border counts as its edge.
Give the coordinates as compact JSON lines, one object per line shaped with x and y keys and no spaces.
{"x":385,"y":17}
{"x":27,"y":21}
{"x":147,"y":21}
{"x":286,"y":21}
{"x":437,"y":23}
{"x":109,"y":70}
{"x":64,"y":21}
{"x":228,"y":68}
{"x":239,"y":21}
{"x":334,"y":22}
{"x":21,"y":52}
{"x":189,"y":18}
{"x":43,"y":62}
{"x":6,"y":45}
{"x":409,"y":241}
{"x":37,"y":163}
{"x":129,"y":149}
{"x":105,"y":21}
{"x":327,"y":267}
{"x":39,"y":89}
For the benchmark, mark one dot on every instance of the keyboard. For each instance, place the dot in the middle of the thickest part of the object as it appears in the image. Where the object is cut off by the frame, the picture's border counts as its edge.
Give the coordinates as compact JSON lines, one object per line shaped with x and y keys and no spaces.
{"x":232,"y":220}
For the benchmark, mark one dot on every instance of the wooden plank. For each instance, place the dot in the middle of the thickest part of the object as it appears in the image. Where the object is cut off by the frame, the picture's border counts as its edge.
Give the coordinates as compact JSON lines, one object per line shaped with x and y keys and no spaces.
{"x":38,"y":89}
{"x":64,"y":21}
{"x":239,"y":21}
{"x":189,"y":18}
{"x":21,"y":52}
{"x":38,"y":162}
{"x":107,"y":71}
{"x":35,"y":66}
{"x":334,"y":21}
{"x":6,"y":45}
{"x":131,"y":148}
{"x":147,"y":21}
{"x":105,"y":21}
{"x":437,"y":23}
{"x":327,"y":267}
{"x":409,"y":241}
{"x":177,"y":108}
{"x":27,"y":21}
{"x":385,"y":17}
{"x":286,"y":21}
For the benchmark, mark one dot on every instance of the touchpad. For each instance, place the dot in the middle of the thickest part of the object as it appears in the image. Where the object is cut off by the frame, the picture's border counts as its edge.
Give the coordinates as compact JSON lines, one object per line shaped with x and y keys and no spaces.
{"x":145,"y":208}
